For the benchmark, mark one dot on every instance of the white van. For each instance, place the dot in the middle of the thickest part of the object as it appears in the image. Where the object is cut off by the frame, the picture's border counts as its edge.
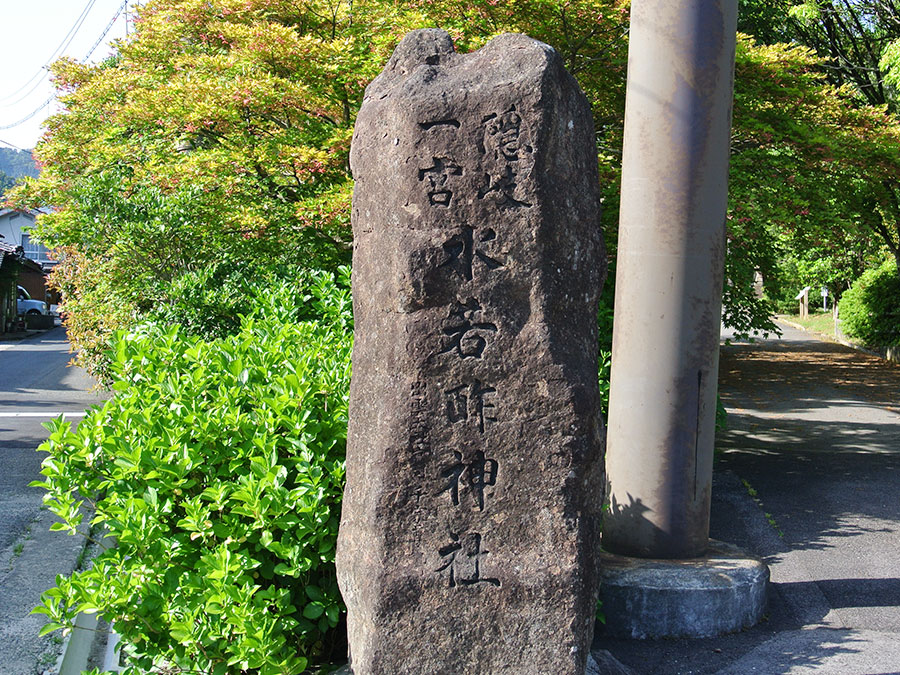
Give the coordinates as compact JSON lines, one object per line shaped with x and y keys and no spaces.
{"x":25,"y":305}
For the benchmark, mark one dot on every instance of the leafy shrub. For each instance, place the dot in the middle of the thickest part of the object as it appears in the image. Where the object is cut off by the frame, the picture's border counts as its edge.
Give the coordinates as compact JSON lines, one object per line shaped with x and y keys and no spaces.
{"x":209,"y":302}
{"x":605,"y":364}
{"x":217,"y":470}
{"x":870,"y":309}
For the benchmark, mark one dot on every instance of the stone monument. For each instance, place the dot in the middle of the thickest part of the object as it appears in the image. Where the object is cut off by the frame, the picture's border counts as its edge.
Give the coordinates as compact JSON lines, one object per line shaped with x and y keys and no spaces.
{"x":469,"y":534}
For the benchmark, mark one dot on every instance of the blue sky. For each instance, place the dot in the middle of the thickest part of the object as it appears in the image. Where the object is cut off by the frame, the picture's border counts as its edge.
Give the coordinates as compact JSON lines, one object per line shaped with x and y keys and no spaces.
{"x":34,"y":31}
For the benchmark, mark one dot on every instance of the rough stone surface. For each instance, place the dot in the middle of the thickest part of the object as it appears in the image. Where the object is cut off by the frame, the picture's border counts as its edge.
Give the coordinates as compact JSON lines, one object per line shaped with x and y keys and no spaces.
{"x":469,"y":539}
{"x":721,"y":592}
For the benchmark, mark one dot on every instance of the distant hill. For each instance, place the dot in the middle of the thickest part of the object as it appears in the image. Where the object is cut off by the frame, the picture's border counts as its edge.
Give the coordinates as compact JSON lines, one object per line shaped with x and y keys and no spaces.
{"x":6,"y":182}
{"x":17,"y":163}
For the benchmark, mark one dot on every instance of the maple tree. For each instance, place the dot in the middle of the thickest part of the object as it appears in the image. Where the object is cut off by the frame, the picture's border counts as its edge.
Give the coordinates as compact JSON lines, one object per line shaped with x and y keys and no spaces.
{"x":219,"y":133}
{"x":813,"y":174}
{"x":218,"y":136}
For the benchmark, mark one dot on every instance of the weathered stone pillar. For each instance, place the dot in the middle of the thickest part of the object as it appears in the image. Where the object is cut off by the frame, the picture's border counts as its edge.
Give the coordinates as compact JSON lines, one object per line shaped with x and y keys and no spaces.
{"x":669,"y":277}
{"x":469,"y":531}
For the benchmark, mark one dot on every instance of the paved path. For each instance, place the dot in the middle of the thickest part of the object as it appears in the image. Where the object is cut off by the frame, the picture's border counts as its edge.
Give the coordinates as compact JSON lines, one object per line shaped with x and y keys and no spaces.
{"x":814,"y":435}
{"x":35,"y":382}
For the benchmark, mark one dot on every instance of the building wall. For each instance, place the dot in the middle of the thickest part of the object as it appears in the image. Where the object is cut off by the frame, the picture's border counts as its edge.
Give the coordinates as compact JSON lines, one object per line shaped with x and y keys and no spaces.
{"x":14,"y":226}
{"x":34,"y":282}
{"x":11,"y":226}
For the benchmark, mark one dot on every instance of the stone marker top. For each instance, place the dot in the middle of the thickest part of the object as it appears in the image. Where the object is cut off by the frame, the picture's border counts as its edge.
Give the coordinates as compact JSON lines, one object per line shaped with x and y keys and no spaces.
{"x":486,"y":112}
{"x":428,"y":52}
{"x":474,"y":452}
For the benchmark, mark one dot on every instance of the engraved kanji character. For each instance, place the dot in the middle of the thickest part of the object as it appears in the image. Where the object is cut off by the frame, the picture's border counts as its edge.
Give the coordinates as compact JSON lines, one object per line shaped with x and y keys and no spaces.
{"x":471,"y":401}
{"x":501,"y":133}
{"x":464,"y":249}
{"x":502,"y":187}
{"x":502,"y":147}
{"x":466,"y":334}
{"x":439,"y":180}
{"x":463,"y":560}
{"x":478,"y":473}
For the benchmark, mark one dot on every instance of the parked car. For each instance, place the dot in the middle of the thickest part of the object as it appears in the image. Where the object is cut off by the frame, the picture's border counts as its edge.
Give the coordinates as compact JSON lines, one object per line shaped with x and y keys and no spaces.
{"x":25,"y":305}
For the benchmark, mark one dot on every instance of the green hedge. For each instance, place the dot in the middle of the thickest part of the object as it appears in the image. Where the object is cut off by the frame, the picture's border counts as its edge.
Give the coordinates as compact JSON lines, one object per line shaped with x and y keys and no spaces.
{"x":217,"y":469}
{"x":870,"y":309}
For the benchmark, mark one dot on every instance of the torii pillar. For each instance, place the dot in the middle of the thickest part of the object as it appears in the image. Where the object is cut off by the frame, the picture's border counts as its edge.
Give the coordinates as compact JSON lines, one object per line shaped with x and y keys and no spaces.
{"x":670,"y":266}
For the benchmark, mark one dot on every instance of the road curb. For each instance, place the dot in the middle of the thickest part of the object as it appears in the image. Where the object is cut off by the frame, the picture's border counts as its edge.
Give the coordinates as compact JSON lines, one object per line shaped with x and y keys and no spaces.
{"x":77,"y":649}
{"x":83,"y":641}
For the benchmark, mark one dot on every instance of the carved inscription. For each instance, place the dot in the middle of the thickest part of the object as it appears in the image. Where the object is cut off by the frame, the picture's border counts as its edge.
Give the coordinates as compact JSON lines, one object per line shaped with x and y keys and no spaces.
{"x":502,"y":133}
{"x":476,"y":259}
{"x":419,"y":424}
{"x":466,"y":333}
{"x":471,"y":402}
{"x":439,"y":123}
{"x":502,"y":148}
{"x":462,"y":560}
{"x":467,"y":249}
{"x":438,"y":179}
{"x":475,"y":475}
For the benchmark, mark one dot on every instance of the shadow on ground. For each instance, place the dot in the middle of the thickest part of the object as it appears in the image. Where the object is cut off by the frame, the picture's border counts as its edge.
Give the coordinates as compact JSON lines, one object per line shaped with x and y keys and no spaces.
{"x":806,"y":476}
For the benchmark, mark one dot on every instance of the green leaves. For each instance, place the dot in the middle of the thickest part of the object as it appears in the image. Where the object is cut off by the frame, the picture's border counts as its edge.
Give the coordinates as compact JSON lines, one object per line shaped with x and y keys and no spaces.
{"x":812,"y":183}
{"x":218,"y":469}
{"x":870,"y":309}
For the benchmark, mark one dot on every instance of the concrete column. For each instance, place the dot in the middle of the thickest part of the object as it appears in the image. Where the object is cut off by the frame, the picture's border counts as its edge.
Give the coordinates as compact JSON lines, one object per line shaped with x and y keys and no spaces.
{"x":670,"y":265}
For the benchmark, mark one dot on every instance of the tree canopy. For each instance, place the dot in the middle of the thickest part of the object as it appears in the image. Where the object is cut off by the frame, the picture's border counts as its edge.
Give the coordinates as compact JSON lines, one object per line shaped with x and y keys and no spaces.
{"x":6,"y":182}
{"x":218,"y":135}
{"x":813,"y":174}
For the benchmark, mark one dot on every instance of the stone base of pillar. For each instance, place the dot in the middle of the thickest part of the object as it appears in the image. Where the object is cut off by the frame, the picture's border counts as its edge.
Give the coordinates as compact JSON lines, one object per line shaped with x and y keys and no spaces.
{"x":606,"y":664}
{"x":722,"y":592}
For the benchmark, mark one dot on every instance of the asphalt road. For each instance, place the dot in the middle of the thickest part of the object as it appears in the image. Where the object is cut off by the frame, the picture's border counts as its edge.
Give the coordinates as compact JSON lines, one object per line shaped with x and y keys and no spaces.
{"x":806,"y":477}
{"x":36,"y":383}
{"x":815,"y":430}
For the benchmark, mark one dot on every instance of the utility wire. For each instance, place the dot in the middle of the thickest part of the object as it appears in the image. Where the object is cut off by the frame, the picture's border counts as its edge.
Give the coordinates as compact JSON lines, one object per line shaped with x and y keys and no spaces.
{"x":66,"y":41}
{"x":89,"y":53}
{"x":108,"y":28}
{"x":29,"y":115}
{"x":14,"y":147}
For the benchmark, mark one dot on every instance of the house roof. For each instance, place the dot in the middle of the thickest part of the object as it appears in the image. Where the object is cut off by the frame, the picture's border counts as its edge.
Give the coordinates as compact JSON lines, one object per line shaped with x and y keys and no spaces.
{"x":33,"y":212}
{"x":11,"y":251}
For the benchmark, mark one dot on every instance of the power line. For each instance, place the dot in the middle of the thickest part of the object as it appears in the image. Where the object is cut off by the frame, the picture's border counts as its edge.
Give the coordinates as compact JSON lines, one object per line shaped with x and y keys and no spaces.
{"x":66,"y":41}
{"x":29,"y":115}
{"x":96,"y":44}
{"x":14,"y":147}
{"x":108,"y":28}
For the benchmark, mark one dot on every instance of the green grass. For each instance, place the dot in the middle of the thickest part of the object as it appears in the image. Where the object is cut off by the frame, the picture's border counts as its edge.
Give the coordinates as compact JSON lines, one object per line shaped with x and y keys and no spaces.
{"x":821,"y":322}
